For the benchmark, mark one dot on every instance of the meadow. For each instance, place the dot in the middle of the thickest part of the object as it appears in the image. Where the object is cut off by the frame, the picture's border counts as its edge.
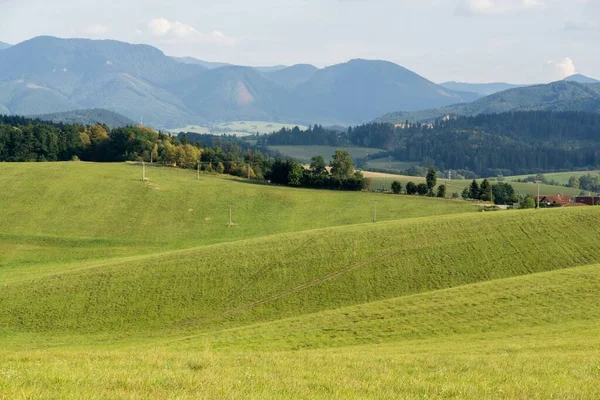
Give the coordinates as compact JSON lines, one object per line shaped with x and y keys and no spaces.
{"x":385,"y":164}
{"x":561,"y":177}
{"x":117,"y":288}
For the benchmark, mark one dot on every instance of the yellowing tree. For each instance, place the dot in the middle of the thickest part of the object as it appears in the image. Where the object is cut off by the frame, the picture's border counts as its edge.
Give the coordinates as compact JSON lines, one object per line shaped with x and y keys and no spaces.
{"x":187,"y":156}
{"x":98,"y":134}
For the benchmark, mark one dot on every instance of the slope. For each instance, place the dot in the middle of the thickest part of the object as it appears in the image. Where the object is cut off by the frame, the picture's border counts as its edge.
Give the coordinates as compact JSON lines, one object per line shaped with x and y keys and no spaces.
{"x":24,"y":98}
{"x":236,"y":93}
{"x":557,"y":96}
{"x":4,"y":45}
{"x":511,"y":304}
{"x":581,"y":79}
{"x":88,"y":117}
{"x":358,"y":90}
{"x":265,"y":279}
{"x":293,"y":76}
{"x":54,"y":213}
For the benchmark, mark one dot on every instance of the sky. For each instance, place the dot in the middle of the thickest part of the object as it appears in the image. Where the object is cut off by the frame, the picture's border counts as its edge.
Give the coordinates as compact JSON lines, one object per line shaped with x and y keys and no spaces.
{"x":516,"y":41}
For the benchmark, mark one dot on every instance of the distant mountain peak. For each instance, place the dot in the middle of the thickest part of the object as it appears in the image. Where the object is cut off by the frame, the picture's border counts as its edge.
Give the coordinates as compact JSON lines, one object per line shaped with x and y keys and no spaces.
{"x":579,"y":78}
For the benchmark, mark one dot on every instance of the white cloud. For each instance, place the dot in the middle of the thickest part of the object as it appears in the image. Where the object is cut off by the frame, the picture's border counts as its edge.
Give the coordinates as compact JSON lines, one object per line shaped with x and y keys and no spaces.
{"x":565,"y":67}
{"x":96,"y":30}
{"x":496,"y":7}
{"x":179,"y":32}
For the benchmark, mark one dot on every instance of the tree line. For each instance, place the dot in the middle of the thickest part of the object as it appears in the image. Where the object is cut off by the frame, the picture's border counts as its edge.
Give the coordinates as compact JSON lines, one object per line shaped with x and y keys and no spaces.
{"x":27,"y":140}
{"x":513,"y":143}
{"x":500,"y":193}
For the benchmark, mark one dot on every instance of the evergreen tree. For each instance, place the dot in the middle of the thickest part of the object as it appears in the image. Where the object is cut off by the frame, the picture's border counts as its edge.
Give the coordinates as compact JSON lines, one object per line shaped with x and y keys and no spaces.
{"x":431,"y":179}
{"x":474,"y":192}
{"x":396,"y":187}
{"x":485,"y":191}
{"x":441,"y":191}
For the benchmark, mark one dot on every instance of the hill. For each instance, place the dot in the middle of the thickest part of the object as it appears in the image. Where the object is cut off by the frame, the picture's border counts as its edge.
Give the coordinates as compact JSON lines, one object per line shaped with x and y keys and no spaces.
{"x":581,"y":79}
{"x":4,"y":45}
{"x":151,"y":292}
{"x":128,"y":79}
{"x":88,"y":117}
{"x":482,"y":89}
{"x":556,"y":96}
{"x":236,"y":93}
{"x":356,"y":90}
{"x":188,"y":213}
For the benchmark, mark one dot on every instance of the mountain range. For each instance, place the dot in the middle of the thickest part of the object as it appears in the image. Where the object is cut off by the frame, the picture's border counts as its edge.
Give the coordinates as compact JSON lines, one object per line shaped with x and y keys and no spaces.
{"x":49,"y":75}
{"x":4,"y":45}
{"x":566,"y":95}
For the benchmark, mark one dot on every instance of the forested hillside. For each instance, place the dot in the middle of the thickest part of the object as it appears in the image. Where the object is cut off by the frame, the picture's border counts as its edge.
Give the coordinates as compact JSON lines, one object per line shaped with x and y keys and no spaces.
{"x":515,"y":142}
{"x":557,"y":96}
{"x":88,"y":117}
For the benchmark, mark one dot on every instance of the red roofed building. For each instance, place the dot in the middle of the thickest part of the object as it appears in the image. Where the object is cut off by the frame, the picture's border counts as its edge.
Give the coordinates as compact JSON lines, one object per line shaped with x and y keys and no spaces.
{"x":553,"y":201}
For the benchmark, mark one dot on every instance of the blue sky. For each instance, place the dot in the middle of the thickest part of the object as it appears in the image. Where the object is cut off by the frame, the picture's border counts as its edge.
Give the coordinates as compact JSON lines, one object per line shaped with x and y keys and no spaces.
{"x":519,"y":41}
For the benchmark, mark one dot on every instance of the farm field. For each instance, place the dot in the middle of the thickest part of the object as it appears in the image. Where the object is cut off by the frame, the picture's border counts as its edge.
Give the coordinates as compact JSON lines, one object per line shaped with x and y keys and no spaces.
{"x":238,"y":128}
{"x":383,"y":181}
{"x":117,"y":288}
{"x":306,"y":153}
{"x":562,"y":177}
{"x":384,"y":164}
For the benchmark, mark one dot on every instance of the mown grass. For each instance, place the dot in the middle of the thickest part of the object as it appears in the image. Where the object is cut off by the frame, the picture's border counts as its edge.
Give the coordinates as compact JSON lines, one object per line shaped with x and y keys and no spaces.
{"x":561,"y":177}
{"x":493,"y":340}
{"x":306,"y":153}
{"x":53,"y":213}
{"x":115,"y":288}
{"x":513,"y":304}
{"x":235,"y":284}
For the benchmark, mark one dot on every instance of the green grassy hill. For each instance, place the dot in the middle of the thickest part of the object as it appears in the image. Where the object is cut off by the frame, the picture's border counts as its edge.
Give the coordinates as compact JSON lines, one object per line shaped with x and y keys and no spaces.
{"x":88,"y":117}
{"x":117,"y":288}
{"x":62,"y":212}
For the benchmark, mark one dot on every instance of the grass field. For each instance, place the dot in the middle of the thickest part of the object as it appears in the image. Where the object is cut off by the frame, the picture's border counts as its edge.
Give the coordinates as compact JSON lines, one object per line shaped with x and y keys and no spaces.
{"x":384,"y":181}
{"x":305,"y":153}
{"x":116,"y":288}
{"x":384,"y":164}
{"x":561,"y":177}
